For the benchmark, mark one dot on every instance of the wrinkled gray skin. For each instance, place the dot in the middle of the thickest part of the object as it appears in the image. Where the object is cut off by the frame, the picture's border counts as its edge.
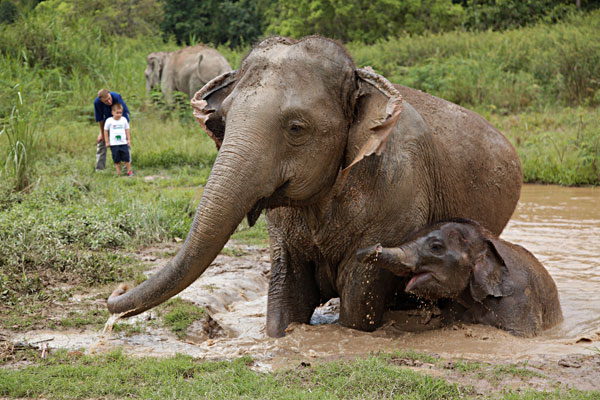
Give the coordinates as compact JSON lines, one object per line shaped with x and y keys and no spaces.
{"x":488,"y":280}
{"x":341,"y":159}
{"x":185,"y":70}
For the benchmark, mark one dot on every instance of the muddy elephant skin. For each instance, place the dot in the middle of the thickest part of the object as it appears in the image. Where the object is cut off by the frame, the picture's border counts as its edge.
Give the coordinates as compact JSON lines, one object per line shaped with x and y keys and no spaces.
{"x":487,"y":280}
{"x":340,"y":158}
{"x":185,"y":70}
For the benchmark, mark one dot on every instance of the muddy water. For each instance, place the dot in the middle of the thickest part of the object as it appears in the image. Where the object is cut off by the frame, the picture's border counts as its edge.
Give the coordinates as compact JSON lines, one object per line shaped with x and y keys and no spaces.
{"x":561,"y":226}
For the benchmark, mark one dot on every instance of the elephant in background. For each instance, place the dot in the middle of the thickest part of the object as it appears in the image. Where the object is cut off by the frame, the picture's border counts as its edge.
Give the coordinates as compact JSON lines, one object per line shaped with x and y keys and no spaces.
{"x":185,"y":70}
{"x":487,"y":280}
{"x":155,"y":62}
{"x":340,"y":158}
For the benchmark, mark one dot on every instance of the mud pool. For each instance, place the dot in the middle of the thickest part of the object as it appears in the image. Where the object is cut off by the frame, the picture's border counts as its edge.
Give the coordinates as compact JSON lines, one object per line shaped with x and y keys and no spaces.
{"x":561,"y":226}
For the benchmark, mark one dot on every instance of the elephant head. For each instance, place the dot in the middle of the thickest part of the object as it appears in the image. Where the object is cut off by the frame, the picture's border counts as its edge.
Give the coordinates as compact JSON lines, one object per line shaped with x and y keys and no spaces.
{"x":289,"y":124}
{"x":444,"y":259}
{"x":156,"y":62}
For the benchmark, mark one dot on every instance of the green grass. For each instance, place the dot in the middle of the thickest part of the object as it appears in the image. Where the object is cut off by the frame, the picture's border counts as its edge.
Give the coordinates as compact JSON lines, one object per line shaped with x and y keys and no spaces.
{"x":255,"y":236}
{"x":515,"y":370}
{"x":178,"y":315}
{"x":76,"y":376}
{"x":93,"y":318}
{"x":116,"y":375}
{"x":556,"y":145}
{"x":465,"y":366}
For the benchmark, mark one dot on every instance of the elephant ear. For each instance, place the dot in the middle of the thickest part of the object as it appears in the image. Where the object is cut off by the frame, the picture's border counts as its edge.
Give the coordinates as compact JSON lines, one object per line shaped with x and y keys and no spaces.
{"x":157,"y":60}
{"x":206,"y":105}
{"x":490,"y":276}
{"x":377,"y":108}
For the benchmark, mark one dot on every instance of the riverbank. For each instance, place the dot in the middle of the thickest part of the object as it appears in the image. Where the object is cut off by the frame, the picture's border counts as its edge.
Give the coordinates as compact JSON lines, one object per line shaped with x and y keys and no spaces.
{"x":220,"y":317}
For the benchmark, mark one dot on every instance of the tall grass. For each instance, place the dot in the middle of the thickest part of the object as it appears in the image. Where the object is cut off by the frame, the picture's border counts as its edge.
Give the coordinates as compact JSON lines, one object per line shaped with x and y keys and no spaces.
{"x":22,"y":133}
{"x":528,"y":68}
{"x":555,"y":146}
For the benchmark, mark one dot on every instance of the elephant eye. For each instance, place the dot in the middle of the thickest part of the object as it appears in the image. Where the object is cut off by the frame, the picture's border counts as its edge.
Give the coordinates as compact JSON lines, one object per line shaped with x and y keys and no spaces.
{"x":436,"y":247}
{"x":296,"y":127}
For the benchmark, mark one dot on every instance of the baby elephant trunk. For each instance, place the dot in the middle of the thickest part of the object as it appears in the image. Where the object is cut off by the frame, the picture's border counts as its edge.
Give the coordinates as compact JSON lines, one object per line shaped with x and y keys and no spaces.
{"x":401,"y":261}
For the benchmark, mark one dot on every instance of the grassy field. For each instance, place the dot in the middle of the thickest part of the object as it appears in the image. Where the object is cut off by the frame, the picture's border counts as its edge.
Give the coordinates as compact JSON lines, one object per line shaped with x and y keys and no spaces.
{"x":381,"y":376}
{"x":65,"y":229}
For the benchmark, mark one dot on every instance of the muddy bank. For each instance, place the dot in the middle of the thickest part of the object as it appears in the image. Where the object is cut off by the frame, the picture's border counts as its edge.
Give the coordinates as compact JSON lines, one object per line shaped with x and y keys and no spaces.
{"x":234,"y":293}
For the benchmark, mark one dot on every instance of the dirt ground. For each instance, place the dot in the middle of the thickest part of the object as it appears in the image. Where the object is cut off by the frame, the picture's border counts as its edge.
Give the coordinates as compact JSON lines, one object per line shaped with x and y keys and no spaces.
{"x":234,"y":291}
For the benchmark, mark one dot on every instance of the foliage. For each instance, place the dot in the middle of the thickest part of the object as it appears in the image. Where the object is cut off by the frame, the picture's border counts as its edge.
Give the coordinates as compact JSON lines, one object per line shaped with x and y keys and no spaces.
{"x":8,"y":12}
{"x":62,"y":66}
{"x":556,"y":146}
{"x":232,"y":22}
{"x":129,"y":18}
{"x":22,"y":132}
{"x":379,"y":19}
{"x":74,"y":230}
{"x":520,"y":69}
{"x":508,"y":14}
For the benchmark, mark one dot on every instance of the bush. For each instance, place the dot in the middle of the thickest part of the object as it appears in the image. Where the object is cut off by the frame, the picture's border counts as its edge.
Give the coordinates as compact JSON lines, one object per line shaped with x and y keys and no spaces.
{"x":560,"y":147}
{"x":526,"y":68}
{"x":510,"y":14}
{"x":132,"y":18}
{"x":8,"y":12}
{"x":234,"y":23}
{"x":378,"y":19}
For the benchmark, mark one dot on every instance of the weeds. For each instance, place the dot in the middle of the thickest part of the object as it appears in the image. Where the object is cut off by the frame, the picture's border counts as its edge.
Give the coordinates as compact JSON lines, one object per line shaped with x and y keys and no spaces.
{"x":22,"y":133}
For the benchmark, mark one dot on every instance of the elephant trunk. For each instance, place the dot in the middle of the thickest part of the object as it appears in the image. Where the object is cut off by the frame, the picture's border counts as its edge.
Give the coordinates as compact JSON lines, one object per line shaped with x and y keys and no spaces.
{"x":400,"y":261}
{"x":230,"y":194}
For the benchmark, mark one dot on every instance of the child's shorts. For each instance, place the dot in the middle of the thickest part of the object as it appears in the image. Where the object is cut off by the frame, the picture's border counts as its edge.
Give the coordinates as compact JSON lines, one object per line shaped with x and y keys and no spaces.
{"x":120,"y":153}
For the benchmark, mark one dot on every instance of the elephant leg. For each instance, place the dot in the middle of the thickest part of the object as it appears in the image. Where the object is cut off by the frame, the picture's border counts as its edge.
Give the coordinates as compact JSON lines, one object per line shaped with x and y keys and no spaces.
{"x":293,"y":292}
{"x":167,"y":88}
{"x":365,"y":292}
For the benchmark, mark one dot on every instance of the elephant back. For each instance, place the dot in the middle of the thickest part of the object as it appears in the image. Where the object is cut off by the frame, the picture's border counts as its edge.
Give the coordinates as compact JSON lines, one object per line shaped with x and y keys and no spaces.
{"x":473,"y":162}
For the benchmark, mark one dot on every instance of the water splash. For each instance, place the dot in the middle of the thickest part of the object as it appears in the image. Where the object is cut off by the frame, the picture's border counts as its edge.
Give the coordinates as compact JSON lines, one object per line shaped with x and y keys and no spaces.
{"x":106,"y":333}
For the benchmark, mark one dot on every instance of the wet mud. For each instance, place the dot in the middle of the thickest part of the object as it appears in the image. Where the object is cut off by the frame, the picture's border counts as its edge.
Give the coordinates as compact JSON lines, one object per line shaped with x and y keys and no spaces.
{"x":561,"y":226}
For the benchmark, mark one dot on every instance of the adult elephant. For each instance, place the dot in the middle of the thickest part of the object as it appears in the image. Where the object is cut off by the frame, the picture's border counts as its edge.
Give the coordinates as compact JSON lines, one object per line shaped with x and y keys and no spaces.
{"x":155,"y":62}
{"x":185,"y":70}
{"x":341,"y":159}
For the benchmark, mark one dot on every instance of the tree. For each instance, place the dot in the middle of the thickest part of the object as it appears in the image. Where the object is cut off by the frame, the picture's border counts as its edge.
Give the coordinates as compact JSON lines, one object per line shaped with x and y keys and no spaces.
{"x":507,"y":14}
{"x":362,"y":20}
{"x":233,"y":22}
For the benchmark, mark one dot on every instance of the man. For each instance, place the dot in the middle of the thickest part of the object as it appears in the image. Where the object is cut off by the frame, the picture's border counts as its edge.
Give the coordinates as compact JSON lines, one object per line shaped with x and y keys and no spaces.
{"x":102,"y":109}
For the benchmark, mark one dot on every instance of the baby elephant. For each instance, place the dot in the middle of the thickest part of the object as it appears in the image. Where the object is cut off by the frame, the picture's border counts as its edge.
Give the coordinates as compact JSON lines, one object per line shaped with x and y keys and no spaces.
{"x":486,"y":279}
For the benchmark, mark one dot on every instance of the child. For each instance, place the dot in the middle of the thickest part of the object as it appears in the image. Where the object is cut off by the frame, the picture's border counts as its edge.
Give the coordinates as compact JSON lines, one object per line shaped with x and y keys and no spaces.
{"x":116,"y":136}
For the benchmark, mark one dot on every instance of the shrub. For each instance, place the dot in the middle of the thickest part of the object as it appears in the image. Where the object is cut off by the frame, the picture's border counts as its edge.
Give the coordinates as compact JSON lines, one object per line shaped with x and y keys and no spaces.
{"x":378,"y":19}
{"x":526,"y":68}
{"x":220,"y":22}
{"x":8,"y":12}
{"x":510,"y":14}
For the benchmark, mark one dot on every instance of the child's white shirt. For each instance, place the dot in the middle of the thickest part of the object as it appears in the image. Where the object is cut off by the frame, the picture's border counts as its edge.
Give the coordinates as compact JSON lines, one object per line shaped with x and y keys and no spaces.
{"x":116,"y":130}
